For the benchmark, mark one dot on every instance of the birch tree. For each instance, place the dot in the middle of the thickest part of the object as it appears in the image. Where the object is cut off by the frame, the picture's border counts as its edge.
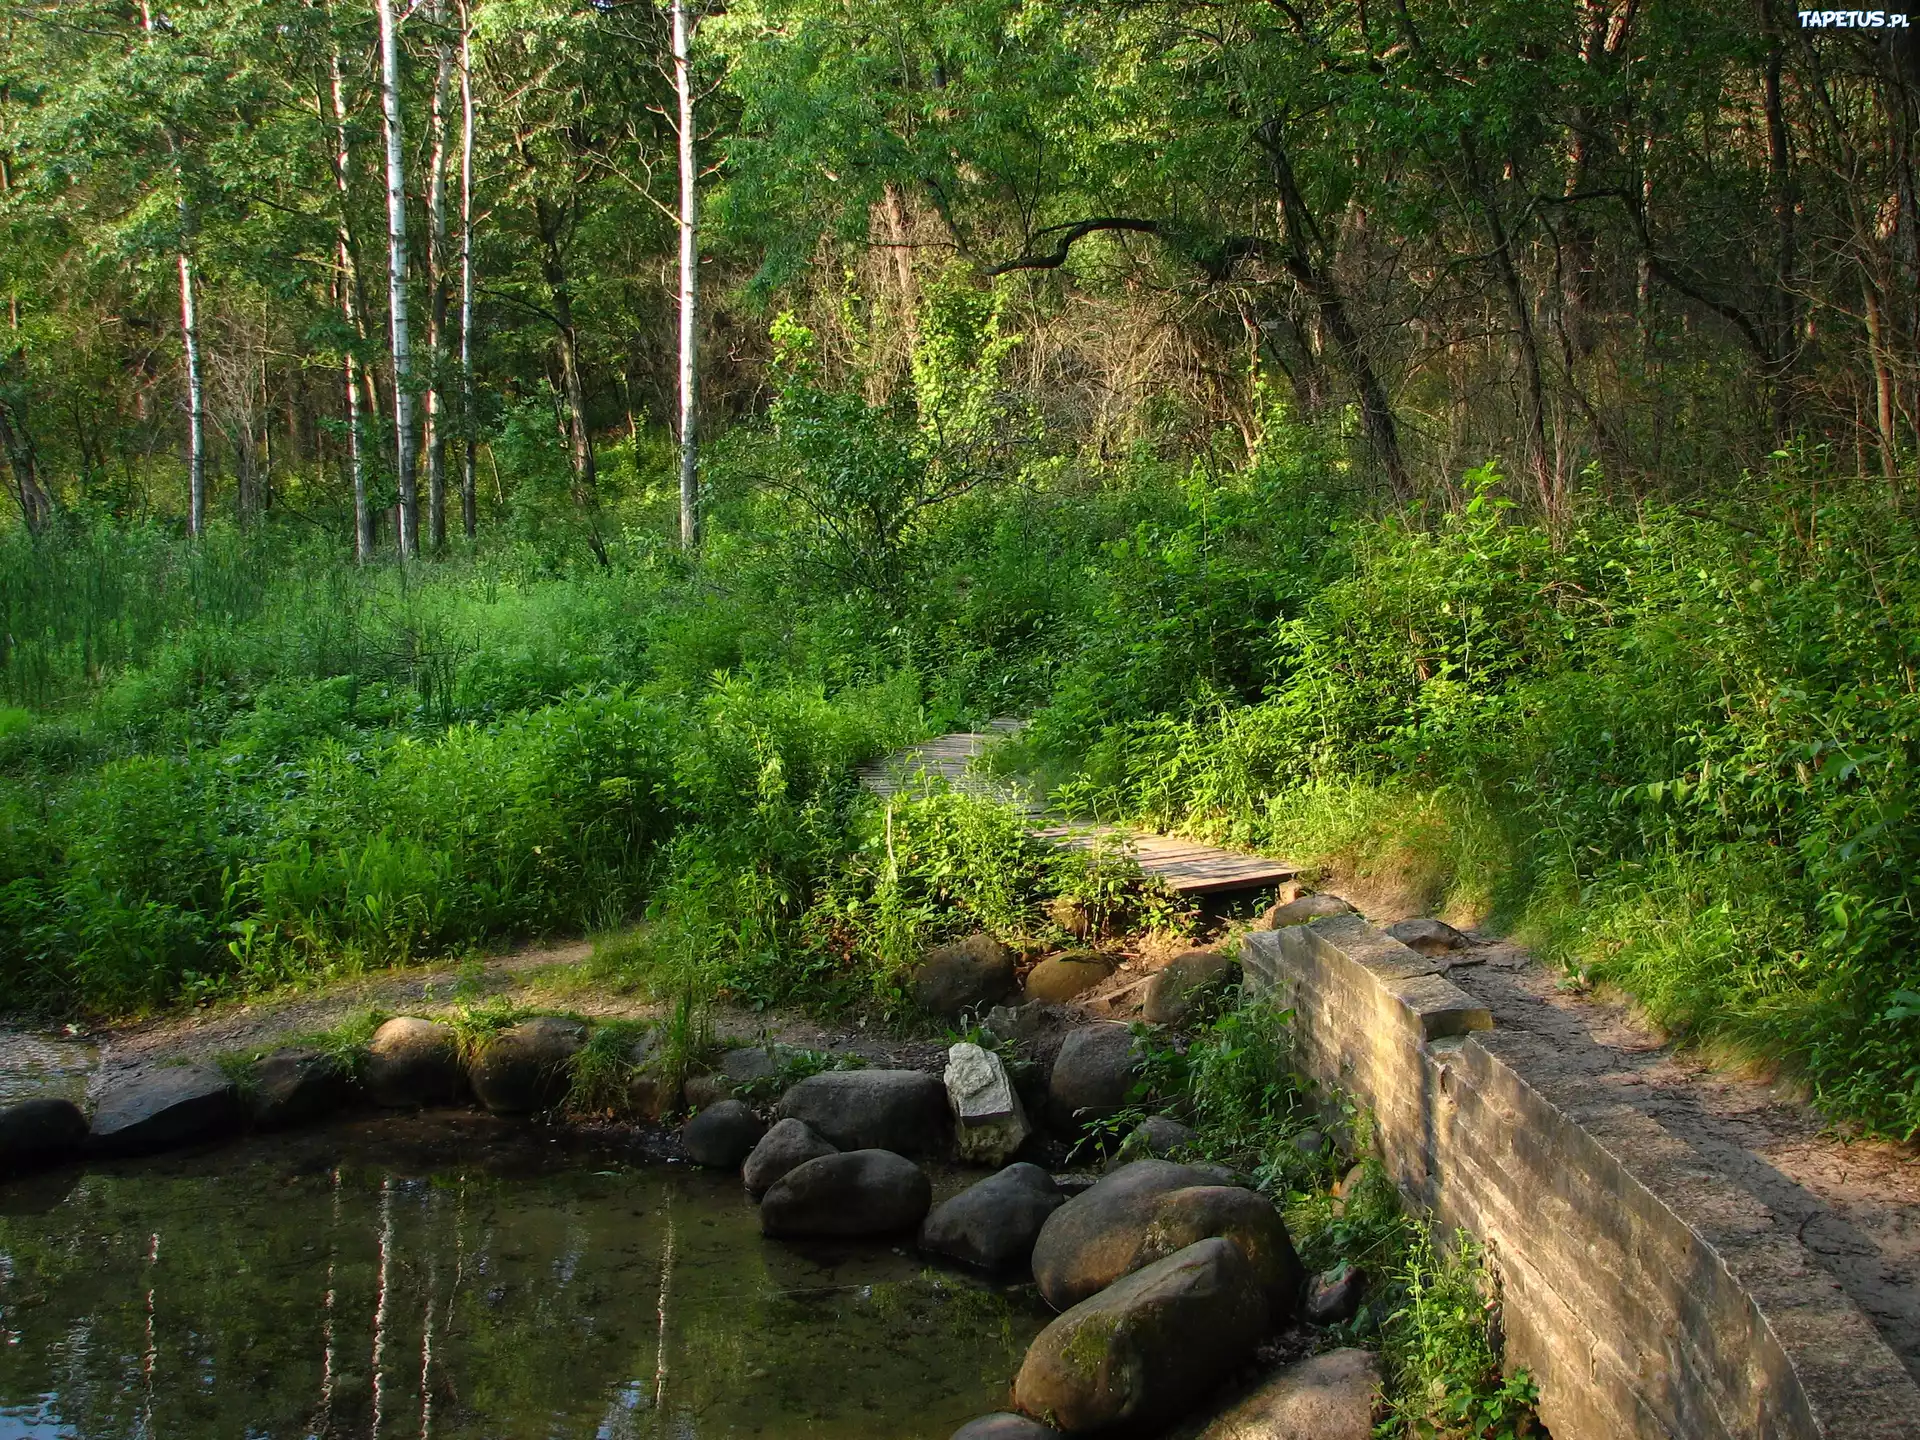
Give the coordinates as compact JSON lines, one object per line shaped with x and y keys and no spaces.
{"x":189,"y":333}
{"x":348,"y":283}
{"x":689,"y":280}
{"x":397,"y":264}
{"x":437,"y":297}
{"x":467,"y":496}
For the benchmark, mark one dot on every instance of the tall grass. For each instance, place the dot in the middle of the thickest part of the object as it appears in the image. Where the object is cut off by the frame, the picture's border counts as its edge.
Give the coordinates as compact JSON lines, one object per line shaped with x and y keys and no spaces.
{"x":1677,"y":749}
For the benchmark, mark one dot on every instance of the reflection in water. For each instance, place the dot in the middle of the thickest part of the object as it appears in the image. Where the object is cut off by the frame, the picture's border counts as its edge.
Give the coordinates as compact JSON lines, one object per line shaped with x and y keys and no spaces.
{"x":542,"y":1288}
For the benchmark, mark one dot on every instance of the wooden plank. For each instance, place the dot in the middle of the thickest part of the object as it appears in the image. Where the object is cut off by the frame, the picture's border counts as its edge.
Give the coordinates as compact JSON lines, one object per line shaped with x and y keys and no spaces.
{"x":1186,"y":866}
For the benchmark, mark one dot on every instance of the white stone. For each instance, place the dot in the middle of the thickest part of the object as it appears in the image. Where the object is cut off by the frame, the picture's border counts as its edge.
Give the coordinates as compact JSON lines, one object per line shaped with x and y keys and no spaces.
{"x":992,"y":1122}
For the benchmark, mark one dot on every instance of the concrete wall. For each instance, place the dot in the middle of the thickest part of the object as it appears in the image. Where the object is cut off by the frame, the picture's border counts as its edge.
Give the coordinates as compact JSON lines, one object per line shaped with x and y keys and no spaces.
{"x":1647,"y":1296}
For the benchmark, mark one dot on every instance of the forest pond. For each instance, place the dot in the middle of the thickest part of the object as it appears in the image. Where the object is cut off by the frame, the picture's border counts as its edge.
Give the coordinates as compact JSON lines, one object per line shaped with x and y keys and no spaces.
{"x":452,"y":1275}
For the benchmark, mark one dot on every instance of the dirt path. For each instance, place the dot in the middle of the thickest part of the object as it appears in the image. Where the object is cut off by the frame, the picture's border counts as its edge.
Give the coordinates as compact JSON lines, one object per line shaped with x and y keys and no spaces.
{"x":547,"y":977}
{"x":1854,"y":1203}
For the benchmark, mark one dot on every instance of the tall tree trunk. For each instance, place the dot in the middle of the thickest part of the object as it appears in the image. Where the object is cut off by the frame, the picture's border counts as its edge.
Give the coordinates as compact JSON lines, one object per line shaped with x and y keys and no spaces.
{"x":351,"y":312}
{"x":196,"y":396}
{"x":1317,"y":282}
{"x":1545,"y":474}
{"x":689,"y":285}
{"x":467,"y":489}
{"x":36,"y":508}
{"x":408,"y":510}
{"x":189,"y":337}
{"x":436,"y":438}
{"x":553,"y":265}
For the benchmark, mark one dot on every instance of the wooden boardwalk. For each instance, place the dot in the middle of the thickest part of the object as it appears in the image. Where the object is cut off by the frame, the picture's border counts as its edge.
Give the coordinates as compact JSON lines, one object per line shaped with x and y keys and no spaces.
{"x":1187,"y":867}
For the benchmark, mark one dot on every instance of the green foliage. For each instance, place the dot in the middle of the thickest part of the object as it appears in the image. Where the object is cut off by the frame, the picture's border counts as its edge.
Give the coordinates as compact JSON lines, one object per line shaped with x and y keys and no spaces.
{"x":1675,"y":751}
{"x":1442,"y":1352}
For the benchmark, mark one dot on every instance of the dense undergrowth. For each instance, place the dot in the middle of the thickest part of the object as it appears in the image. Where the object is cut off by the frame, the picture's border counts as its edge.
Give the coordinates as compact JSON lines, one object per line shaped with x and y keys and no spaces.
{"x":1675,"y":747}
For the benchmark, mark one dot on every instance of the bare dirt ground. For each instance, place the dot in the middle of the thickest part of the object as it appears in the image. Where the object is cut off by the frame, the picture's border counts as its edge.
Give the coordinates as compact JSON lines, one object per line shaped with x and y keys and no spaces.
{"x":547,"y":977}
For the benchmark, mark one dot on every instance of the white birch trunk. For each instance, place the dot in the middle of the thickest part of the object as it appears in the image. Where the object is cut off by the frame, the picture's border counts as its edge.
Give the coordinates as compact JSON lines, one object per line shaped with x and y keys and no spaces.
{"x":350,"y":311}
{"x":196,"y":397}
{"x":190,"y":341}
{"x":689,"y":285}
{"x":403,"y":440}
{"x":435,"y":438}
{"x":467,"y":493}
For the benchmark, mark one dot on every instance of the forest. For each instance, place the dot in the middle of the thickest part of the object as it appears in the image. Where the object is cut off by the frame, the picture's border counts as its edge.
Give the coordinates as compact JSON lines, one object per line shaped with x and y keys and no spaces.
{"x":490,"y":468}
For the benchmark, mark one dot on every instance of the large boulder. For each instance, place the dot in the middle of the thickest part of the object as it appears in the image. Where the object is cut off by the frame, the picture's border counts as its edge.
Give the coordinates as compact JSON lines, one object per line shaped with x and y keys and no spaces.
{"x":1147,"y":1347}
{"x":1183,"y":981}
{"x":165,"y":1106}
{"x":861,"y":1192}
{"x":1429,"y":937}
{"x":1307,"y":907}
{"x":1154,"y":1138}
{"x":989,"y":1120}
{"x":527,"y":1067}
{"x":1181,"y":1218}
{"x":723,"y":1135}
{"x":962,"y":975}
{"x":412,"y":1062}
{"x":1093,"y":1074}
{"x":37,"y":1131}
{"x":900,"y":1110}
{"x":1092,"y":1240}
{"x":1327,"y":1397}
{"x":1005,"y":1427}
{"x":788,"y":1145}
{"x":992,"y":1225}
{"x":1061,"y":977}
{"x":295,"y":1085}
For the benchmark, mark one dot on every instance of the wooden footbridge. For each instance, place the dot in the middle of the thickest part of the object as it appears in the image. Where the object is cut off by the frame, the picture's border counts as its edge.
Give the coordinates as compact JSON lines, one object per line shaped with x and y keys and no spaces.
{"x":1186,"y":866}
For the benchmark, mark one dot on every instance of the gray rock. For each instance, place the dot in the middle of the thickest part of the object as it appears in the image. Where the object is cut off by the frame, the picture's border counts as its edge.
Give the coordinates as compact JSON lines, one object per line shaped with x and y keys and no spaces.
{"x":992,"y":1225}
{"x":962,"y":975}
{"x":723,"y":1135}
{"x":294,"y":1086}
{"x":1310,"y":1143}
{"x":1091,"y":1241}
{"x":528,"y":1066}
{"x":990,"y":1122}
{"x":1154,"y":1138}
{"x":861,"y":1192}
{"x":1307,"y":907}
{"x":703,"y":1092}
{"x":1335,"y":1295}
{"x":1327,"y":1397}
{"x":1246,"y":1217}
{"x":1147,"y":1347}
{"x":413,"y":1062}
{"x":1183,"y":981}
{"x":899,"y":1110}
{"x":1429,"y":937}
{"x":788,"y":1144}
{"x":1004,"y":1427}
{"x":37,"y":1131}
{"x":165,"y":1106}
{"x":652,"y":1093}
{"x":1022,"y":1022}
{"x":1061,"y":977}
{"x":1092,"y":1075}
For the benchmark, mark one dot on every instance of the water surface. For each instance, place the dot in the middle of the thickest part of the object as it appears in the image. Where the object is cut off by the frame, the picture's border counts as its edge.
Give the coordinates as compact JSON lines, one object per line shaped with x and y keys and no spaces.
{"x":456,"y":1276}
